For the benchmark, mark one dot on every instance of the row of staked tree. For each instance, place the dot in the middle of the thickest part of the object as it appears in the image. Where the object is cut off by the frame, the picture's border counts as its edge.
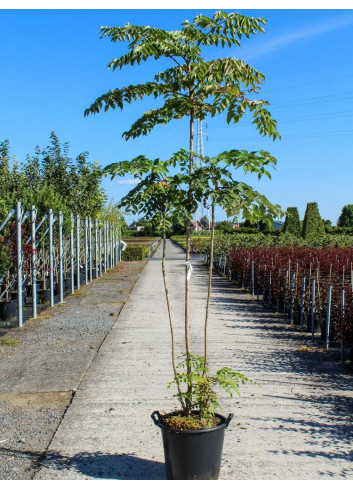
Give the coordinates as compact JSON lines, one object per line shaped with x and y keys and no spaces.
{"x":51,"y":179}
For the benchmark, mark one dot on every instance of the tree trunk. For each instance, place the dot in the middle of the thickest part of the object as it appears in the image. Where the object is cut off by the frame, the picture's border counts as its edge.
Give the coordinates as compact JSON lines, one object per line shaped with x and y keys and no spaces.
{"x":188,"y":247}
{"x":170,"y":316}
{"x":209,"y":288}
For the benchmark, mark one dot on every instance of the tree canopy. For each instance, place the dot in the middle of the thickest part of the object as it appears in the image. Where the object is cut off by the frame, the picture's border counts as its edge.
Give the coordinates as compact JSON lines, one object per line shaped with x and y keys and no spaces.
{"x":51,"y":179}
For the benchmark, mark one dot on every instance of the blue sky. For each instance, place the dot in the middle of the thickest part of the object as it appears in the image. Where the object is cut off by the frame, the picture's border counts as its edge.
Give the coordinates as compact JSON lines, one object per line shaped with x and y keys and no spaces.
{"x":53,"y":66}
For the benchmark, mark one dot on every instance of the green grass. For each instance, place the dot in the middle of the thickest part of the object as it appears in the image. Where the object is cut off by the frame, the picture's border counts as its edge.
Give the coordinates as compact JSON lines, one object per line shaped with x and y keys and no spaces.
{"x":8,"y":341}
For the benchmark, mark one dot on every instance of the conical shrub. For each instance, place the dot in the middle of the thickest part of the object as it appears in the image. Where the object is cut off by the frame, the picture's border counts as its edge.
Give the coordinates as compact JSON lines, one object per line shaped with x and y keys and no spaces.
{"x":292,"y":222}
{"x":313,"y":226}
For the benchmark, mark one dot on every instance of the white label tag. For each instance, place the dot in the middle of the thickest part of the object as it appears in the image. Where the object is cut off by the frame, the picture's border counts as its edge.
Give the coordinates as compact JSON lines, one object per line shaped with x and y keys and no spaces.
{"x":189,"y":268}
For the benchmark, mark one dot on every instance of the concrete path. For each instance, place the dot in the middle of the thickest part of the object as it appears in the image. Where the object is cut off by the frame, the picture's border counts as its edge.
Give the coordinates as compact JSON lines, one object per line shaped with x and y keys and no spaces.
{"x":297,"y":425}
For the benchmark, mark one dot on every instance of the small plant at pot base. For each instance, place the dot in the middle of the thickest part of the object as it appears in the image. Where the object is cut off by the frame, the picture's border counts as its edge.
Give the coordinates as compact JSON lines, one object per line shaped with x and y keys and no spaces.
{"x":199,"y":401}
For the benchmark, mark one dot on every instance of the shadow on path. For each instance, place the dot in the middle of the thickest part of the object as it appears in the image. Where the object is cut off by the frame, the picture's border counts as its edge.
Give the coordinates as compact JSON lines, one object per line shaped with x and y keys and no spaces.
{"x":97,"y":465}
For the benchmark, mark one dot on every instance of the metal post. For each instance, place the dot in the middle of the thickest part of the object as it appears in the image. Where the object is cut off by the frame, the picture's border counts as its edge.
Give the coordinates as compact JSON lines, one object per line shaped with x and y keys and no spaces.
{"x":51,"y":258}
{"x":96,"y":246}
{"x":292,"y":299}
{"x":19,"y":263}
{"x":61,"y":253}
{"x":109,"y":246}
{"x":312,"y":308}
{"x":328,"y":316}
{"x":72,"y":256}
{"x":252,"y":279}
{"x":34,"y":261}
{"x":302,"y":304}
{"x":90,"y":248}
{"x":119,"y":244}
{"x":78,"y":250}
{"x":285,"y":294}
{"x":278,"y":286}
{"x":100,"y":250}
{"x":269,"y":289}
{"x":342,"y":324}
{"x":105,"y":245}
{"x":86,"y":250}
{"x":116,"y":245}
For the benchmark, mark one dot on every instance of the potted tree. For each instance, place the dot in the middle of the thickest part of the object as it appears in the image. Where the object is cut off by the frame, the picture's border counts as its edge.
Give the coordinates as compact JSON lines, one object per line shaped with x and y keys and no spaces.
{"x":195,"y":88}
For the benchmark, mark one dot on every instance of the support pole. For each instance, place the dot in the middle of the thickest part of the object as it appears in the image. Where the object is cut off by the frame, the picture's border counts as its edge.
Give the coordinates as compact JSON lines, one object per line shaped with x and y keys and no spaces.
{"x":86,"y":250}
{"x":105,"y":245}
{"x":19,"y":263}
{"x":285,"y":294}
{"x":96,"y":246}
{"x":34,"y":261}
{"x":90,"y":248}
{"x":51,"y":258}
{"x":61,"y":256}
{"x":100,"y":249}
{"x":292,"y":299}
{"x":72,"y":254}
{"x":78,"y":250}
{"x":302,"y":304}
{"x":342,"y":323}
{"x":312,"y":308}
{"x":328,"y":318}
{"x":252,"y":279}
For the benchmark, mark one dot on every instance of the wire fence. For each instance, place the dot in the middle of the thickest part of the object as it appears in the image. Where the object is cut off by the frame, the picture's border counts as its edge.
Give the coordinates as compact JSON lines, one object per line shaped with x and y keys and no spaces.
{"x":44,"y":258}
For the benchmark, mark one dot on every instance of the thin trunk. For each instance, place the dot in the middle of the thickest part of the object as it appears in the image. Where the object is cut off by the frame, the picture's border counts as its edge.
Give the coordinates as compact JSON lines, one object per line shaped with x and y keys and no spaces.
{"x":170,"y":316}
{"x":187,"y":293}
{"x":209,"y":288}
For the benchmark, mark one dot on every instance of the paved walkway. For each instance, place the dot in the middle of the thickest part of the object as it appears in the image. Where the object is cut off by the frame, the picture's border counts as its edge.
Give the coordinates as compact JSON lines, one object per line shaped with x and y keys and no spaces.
{"x":297,"y":425}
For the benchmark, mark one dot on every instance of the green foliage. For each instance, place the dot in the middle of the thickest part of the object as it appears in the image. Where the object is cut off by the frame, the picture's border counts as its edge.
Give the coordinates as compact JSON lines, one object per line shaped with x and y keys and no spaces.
{"x":50,"y":179}
{"x":266,"y":224}
{"x":327,"y":225}
{"x":203,"y":396}
{"x":195,"y":87}
{"x":199,"y":243}
{"x":192,"y":86}
{"x":292,"y":222}
{"x":224,"y":227}
{"x":111,"y":213}
{"x":346,"y":217}
{"x":313,"y":227}
{"x":204,"y":222}
{"x":135,"y":252}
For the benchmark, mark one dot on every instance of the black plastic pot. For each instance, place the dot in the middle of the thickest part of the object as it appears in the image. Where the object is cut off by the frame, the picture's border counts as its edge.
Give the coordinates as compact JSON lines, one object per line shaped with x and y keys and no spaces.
{"x":43,"y":296}
{"x":192,"y":454}
{"x":8,"y":310}
{"x":67,"y":284}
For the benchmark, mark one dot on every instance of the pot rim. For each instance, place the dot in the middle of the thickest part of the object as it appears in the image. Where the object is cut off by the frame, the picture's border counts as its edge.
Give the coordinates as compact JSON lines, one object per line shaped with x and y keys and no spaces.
{"x":157,"y":418}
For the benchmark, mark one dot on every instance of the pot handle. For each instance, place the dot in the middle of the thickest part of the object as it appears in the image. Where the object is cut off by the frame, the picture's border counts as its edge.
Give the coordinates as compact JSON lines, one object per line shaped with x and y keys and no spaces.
{"x":156,"y":416}
{"x":229,"y":419}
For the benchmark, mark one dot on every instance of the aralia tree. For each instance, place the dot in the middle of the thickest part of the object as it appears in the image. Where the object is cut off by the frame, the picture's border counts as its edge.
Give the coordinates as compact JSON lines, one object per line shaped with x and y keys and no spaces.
{"x":194,"y":87}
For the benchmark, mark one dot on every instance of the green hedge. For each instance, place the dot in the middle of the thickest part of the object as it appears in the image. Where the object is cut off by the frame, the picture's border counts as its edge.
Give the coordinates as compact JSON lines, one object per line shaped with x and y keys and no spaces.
{"x":135,"y":253}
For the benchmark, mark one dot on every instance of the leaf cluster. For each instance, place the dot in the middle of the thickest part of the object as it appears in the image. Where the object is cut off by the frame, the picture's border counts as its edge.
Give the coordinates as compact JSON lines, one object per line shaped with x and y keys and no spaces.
{"x":192,"y":85}
{"x":203,"y":396}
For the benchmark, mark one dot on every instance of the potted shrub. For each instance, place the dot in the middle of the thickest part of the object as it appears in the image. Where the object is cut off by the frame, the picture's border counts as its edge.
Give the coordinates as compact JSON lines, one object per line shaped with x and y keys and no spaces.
{"x":171,"y":190}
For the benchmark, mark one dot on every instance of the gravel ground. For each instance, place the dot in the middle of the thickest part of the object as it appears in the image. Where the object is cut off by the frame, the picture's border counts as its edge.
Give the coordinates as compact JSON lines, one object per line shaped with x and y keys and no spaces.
{"x":41,"y":367}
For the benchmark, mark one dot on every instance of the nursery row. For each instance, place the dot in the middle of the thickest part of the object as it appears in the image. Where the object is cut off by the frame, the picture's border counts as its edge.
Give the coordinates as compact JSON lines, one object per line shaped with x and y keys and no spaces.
{"x":43,"y":257}
{"x":139,"y":248}
{"x":311,"y":287}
